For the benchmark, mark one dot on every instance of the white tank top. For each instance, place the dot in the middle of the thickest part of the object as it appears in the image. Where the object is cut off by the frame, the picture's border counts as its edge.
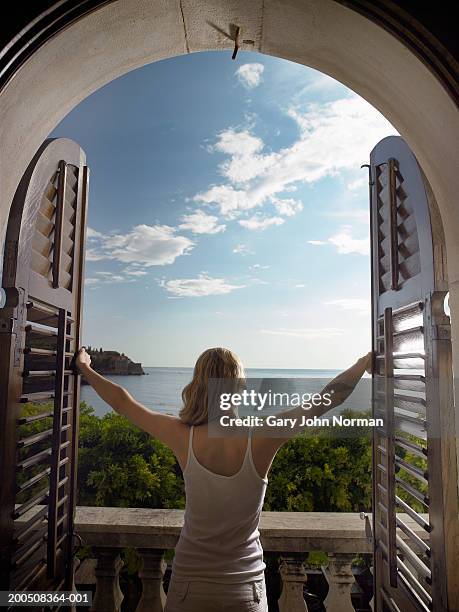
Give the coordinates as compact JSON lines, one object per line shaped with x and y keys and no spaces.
{"x":220,"y":540}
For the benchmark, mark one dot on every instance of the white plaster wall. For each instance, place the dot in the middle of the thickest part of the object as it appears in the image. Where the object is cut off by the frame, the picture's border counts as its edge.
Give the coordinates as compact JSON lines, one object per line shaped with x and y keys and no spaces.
{"x":318,"y":33}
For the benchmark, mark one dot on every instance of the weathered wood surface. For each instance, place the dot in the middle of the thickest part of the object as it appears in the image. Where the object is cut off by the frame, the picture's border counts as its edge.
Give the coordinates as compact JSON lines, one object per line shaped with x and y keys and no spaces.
{"x":43,"y":275}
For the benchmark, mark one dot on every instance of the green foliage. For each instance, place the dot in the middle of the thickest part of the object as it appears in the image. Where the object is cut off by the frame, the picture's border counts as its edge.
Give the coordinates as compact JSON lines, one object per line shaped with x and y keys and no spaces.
{"x":402,"y":473}
{"x":316,"y":559}
{"x":24,"y":431}
{"x":328,"y":470}
{"x":121,"y":465}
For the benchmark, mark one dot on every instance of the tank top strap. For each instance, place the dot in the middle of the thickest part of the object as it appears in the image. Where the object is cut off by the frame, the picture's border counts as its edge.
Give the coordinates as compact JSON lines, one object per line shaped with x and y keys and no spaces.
{"x":249,"y":447}
{"x":249,"y":455}
{"x":190,"y":446}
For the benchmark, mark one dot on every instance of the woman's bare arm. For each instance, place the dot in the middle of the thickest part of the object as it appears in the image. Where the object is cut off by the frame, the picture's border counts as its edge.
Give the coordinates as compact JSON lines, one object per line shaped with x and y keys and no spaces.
{"x":167,"y":428}
{"x":344,"y":384}
{"x":338,"y":389}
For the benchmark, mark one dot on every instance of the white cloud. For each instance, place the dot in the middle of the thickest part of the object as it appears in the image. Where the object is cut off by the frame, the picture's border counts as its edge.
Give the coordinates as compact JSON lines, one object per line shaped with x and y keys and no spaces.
{"x":246,"y":159}
{"x":134,"y":272}
{"x":359,"y":305}
{"x":241,"y":143}
{"x":319,"y":83}
{"x":200,"y":222}
{"x":259,"y":267}
{"x":333,"y":137}
{"x":92,"y":233}
{"x":110,"y":277}
{"x":258,"y":222}
{"x":305,"y":333}
{"x":242,"y":249}
{"x":357,"y":183}
{"x":93,"y":255}
{"x":201,"y":286}
{"x":103,"y":277}
{"x":287,"y":207}
{"x":258,"y":281}
{"x":149,"y":245}
{"x":345,"y":243}
{"x":229,"y":200}
{"x":250,"y":75}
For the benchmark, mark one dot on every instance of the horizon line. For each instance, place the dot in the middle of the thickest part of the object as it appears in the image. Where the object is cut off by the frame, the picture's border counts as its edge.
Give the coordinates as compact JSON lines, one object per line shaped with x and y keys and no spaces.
{"x":246,"y":367}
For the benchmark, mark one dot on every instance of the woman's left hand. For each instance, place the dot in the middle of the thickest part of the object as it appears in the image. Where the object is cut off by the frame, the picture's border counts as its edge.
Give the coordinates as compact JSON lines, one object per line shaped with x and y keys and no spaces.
{"x":83,"y":360}
{"x":368,"y":362}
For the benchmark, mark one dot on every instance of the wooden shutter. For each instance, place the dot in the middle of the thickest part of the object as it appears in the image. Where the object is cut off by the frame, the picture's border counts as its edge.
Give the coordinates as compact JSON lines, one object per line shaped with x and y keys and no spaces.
{"x":414,"y":459}
{"x":40,"y":328}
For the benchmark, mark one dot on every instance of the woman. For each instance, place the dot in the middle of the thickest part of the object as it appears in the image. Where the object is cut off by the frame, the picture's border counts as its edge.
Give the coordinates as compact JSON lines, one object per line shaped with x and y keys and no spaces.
{"x":218,"y":563}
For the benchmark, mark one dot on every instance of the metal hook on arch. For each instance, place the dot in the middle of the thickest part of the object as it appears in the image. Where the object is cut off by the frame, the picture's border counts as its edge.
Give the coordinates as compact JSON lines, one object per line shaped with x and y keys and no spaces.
{"x":370,"y":180}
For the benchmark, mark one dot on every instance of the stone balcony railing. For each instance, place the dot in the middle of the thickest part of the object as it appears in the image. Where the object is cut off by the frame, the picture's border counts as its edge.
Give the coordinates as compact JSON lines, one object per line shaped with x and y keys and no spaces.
{"x":152,"y":532}
{"x":292,"y":534}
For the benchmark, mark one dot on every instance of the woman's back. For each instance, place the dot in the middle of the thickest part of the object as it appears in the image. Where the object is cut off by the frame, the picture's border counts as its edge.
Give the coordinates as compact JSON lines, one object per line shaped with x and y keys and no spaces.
{"x":220,"y":539}
{"x":222,"y":454}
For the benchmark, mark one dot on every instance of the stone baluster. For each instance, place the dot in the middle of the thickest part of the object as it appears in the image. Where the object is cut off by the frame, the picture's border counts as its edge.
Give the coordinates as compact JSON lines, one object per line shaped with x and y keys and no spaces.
{"x":372,"y":600}
{"x":76,"y":565}
{"x":108,"y":595}
{"x":340,"y":580}
{"x":153,"y":567}
{"x":294,"y":578}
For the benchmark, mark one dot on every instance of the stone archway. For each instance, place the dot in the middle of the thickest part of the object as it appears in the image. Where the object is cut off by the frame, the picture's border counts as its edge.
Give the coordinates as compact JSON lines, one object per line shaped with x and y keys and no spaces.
{"x":323,"y":34}
{"x":122,"y":35}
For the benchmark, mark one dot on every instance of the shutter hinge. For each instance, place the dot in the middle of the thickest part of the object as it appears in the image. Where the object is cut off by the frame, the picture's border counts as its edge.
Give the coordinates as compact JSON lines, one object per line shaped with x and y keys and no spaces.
{"x":8,"y":325}
{"x":11,"y":327}
{"x":441,"y":332}
{"x":368,"y":530}
{"x":9,"y":297}
{"x":12,"y":298}
{"x":80,"y":542}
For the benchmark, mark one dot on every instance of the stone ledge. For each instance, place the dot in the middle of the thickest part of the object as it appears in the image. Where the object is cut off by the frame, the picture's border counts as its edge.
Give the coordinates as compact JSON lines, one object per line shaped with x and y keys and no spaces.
{"x":339,"y":532}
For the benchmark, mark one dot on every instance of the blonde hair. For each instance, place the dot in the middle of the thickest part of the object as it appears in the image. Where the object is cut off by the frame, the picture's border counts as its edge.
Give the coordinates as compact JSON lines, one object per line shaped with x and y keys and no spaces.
{"x":220,"y":363}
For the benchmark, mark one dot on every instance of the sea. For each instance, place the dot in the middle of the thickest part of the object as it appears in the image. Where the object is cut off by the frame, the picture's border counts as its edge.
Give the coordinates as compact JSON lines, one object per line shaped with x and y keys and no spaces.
{"x":160,"y":389}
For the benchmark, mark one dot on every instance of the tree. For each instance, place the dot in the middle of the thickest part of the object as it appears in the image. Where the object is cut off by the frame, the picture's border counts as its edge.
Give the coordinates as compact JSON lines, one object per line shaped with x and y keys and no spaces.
{"x":324,"y":470}
{"x":121,"y":465}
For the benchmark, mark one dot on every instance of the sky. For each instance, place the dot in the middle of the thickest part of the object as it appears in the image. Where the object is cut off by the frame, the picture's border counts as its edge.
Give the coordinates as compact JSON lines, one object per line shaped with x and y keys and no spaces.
{"x":228,"y":208}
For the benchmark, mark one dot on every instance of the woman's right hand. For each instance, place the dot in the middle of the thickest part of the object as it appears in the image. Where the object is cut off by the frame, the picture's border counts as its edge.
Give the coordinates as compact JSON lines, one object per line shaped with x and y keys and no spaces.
{"x":83,"y":360}
{"x":367,"y":362}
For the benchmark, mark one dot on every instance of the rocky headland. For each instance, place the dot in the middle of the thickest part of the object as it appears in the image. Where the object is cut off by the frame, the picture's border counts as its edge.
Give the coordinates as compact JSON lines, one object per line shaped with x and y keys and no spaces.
{"x":113,"y":363}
